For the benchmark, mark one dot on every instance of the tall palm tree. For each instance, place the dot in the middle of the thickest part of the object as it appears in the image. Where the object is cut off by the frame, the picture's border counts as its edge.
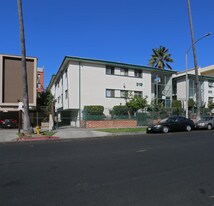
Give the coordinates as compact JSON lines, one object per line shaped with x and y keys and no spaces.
{"x":160,"y":58}
{"x":27,"y":128}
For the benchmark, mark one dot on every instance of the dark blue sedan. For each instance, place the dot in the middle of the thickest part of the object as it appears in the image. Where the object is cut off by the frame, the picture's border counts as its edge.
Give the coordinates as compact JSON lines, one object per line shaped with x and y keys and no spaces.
{"x":172,"y":124}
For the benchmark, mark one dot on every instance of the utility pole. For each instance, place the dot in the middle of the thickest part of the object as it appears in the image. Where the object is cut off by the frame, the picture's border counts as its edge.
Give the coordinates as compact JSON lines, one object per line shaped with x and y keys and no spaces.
{"x":27,"y":128}
{"x":197,"y":83}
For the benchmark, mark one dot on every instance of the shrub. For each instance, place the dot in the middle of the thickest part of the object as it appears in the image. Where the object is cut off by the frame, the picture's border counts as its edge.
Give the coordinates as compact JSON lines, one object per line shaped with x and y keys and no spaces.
{"x":120,"y":110}
{"x":94,"y":110}
{"x":176,"y":104}
{"x":191,"y":103}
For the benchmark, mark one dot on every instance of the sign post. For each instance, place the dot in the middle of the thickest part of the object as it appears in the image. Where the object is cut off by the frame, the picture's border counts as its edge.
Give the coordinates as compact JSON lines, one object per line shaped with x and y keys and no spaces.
{"x":20,"y":108}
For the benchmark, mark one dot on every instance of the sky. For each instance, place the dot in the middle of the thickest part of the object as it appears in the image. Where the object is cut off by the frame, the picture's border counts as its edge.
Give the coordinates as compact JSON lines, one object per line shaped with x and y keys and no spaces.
{"x":111,"y":30}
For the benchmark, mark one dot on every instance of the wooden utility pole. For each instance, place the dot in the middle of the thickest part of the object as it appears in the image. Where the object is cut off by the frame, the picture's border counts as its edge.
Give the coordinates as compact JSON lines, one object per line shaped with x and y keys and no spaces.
{"x":27,"y":128}
{"x":197,"y":83}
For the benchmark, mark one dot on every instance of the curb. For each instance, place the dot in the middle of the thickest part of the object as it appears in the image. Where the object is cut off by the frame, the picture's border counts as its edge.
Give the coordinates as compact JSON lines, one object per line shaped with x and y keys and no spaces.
{"x":36,"y":138}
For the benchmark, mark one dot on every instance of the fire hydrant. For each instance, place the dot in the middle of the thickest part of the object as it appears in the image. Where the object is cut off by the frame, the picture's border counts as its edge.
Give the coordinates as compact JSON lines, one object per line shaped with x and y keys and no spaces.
{"x":38,"y":130}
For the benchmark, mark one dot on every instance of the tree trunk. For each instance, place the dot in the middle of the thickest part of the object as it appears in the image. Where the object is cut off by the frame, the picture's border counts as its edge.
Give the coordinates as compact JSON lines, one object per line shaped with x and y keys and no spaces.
{"x":197,"y":83}
{"x":27,"y":128}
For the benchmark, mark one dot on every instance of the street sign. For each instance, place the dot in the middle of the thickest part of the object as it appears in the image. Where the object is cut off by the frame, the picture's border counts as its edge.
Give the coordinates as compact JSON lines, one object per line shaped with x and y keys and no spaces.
{"x":21,"y":105}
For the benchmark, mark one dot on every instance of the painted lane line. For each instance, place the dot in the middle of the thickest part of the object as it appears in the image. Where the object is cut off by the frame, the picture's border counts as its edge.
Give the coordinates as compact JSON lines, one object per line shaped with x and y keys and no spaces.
{"x":143,"y":150}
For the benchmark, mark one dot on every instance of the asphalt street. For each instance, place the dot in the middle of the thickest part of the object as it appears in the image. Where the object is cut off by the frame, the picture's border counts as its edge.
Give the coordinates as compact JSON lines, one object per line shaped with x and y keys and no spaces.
{"x":151,"y":169}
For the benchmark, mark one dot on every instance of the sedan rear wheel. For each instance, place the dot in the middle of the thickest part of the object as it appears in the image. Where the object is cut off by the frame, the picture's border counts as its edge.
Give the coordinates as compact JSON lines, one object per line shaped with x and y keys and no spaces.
{"x":165,"y":129}
{"x":209,"y":126}
{"x":188,"y":128}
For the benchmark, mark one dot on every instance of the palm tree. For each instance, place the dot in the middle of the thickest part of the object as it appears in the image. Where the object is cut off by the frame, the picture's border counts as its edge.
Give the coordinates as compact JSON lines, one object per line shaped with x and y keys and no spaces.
{"x":160,"y":58}
{"x":27,"y":128}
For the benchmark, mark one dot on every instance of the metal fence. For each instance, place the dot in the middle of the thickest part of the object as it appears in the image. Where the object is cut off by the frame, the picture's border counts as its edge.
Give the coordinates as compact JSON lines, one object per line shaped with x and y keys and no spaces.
{"x":149,"y":117}
{"x":40,"y":115}
{"x":143,"y":118}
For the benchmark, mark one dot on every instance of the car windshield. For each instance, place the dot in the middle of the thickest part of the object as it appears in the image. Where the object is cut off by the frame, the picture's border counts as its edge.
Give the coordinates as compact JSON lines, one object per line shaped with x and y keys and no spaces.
{"x":163,"y":120}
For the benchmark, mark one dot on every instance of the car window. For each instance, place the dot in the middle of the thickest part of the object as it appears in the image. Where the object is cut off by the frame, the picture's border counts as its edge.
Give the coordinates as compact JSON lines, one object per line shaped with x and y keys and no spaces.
{"x":164,"y":120}
{"x":181,"y":119}
{"x":207,"y":118}
{"x":177,"y":119}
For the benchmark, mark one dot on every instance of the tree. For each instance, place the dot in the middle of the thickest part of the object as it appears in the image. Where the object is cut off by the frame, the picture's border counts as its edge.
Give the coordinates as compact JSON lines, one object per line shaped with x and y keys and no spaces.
{"x":160,"y":58}
{"x":176,"y":105}
{"x":211,"y":104}
{"x":191,"y":103}
{"x":27,"y":128}
{"x":136,"y":103}
{"x":44,"y":99}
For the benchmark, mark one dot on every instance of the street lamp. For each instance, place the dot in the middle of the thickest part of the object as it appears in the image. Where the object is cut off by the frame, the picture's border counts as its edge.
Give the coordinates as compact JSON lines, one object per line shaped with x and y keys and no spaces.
{"x":187,"y":88}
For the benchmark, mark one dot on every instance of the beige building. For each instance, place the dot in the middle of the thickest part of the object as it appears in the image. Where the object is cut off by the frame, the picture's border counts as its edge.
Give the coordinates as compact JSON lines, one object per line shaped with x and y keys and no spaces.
{"x":11,"y":84}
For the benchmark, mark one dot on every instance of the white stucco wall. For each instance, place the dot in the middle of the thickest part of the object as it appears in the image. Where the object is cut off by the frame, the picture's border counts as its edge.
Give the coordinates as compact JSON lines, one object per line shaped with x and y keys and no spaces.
{"x":181,"y":90}
{"x":86,"y":84}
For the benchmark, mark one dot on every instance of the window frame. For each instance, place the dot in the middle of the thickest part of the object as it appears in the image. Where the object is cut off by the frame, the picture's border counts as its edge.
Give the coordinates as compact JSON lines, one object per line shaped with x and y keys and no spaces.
{"x":111,"y":69}
{"x":138,"y":73}
{"x":112,"y":93}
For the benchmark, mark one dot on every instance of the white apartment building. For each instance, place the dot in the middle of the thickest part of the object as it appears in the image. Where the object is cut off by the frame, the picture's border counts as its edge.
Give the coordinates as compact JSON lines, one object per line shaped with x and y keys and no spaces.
{"x":81,"y":82}
{"x":206,"y":79}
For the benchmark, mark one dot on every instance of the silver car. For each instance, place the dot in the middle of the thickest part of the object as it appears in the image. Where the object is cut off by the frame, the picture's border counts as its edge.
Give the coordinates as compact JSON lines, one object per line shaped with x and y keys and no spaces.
{"x":205,"y":123}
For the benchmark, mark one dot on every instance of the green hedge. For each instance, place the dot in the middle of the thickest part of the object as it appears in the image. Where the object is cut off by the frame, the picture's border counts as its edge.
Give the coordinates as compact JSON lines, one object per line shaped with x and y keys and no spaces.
{"x":120,"y":110}
{"x":94,"y":110}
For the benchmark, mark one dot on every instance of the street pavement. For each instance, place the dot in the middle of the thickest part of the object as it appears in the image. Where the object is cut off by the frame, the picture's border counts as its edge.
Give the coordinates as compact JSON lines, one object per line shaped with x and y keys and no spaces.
{"x":8,"y":135}
{"x":143,"y":170}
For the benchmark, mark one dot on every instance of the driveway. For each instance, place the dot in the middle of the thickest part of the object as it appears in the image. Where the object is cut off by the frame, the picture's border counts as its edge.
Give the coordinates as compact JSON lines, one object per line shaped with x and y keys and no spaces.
{"x":7,"y":135}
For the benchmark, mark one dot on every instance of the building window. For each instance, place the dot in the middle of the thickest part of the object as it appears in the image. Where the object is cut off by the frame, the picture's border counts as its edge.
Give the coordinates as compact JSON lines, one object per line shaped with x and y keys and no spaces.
{"x":123,"y":93}
{"x":138,"y":74}
{"x":38,"y":85}
{"x":38,"y":77}
{"x":210,"y":99}
{"x":66,"y":73}
{"x":66,"y":94}
{"x":124,"y":72}
{"x":110,"y":93}
{"x":110,"y":70}
{"x":137,"y":93}
{"x":191,"y":88}
{"x":210,"y":84}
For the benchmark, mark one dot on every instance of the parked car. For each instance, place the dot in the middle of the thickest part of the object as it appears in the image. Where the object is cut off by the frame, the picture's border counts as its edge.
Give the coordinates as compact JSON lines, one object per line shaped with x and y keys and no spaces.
{"x":8,"y":123}
{"x":172,"y":124}
{"x":205,"y":123}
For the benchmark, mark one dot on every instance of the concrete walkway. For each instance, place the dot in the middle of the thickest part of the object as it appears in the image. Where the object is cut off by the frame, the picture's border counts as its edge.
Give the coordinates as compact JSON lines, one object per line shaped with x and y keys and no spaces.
{"x":8,"y":135}
{"x":73,"y":132}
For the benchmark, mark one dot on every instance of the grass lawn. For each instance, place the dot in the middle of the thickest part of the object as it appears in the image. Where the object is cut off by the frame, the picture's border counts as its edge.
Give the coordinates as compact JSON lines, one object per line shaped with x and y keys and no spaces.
{"x":116,"y":130}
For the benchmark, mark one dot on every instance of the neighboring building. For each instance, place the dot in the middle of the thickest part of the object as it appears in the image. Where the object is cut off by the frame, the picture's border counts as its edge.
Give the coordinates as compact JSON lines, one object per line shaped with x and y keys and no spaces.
{"x":206,"y":79}
{"x":40,"y":80}
{"x":80,"y":82}
{"x":11,"y":84}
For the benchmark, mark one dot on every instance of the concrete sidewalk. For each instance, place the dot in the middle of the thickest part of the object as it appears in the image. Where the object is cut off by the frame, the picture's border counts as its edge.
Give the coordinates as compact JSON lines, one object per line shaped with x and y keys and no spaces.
{"x":74,"y":132}
{"x":9,"y":135}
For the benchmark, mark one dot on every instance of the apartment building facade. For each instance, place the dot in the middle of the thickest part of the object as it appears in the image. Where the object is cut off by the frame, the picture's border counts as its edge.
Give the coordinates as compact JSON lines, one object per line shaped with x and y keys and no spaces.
{"x":206,"y":79}
{"x":11,"y":84}
{"x":81,"y":82}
